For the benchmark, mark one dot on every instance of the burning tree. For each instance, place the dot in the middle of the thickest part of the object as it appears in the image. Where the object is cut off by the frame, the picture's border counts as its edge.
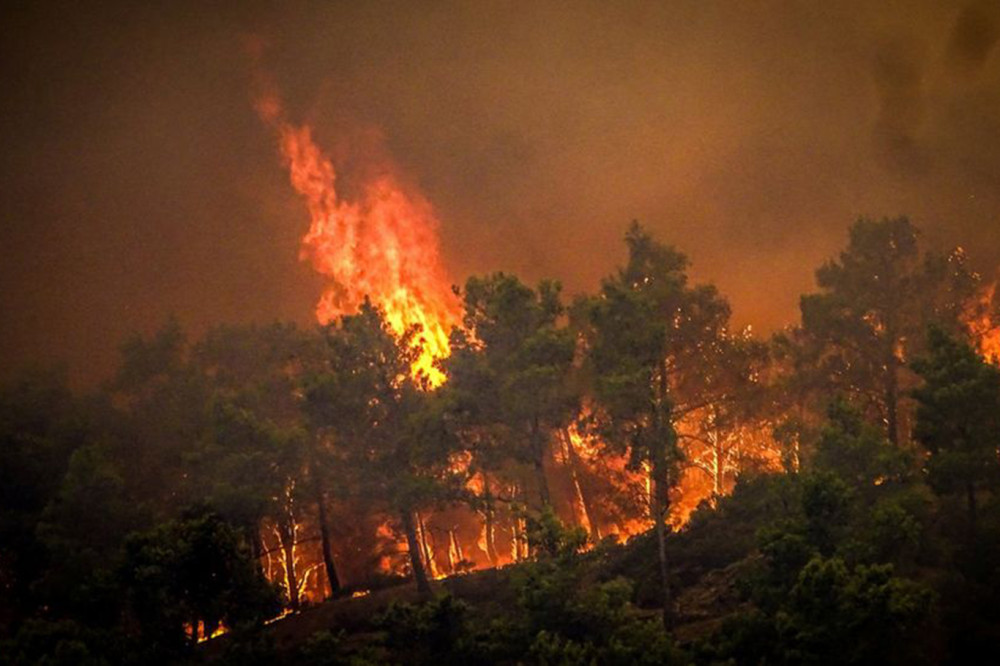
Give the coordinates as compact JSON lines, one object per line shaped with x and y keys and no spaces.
{"x":645,"y":335}
{"x":390,"y":432}
{"x":958,"y":420}
{"x":871,"y":315}
{"x":382,"y":245}
{"x":731,"y":433}
{"x":510,"y":370}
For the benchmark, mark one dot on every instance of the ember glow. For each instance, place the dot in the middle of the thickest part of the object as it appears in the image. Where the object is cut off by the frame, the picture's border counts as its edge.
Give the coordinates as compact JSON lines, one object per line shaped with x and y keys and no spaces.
{"x":982,"y":320}
{"x":382,"y":245}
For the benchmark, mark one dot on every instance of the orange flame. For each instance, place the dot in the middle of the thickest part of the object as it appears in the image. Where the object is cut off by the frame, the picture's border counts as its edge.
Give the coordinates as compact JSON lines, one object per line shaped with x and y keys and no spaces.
{"x":981,"y":319}
{"x":383,"y":245}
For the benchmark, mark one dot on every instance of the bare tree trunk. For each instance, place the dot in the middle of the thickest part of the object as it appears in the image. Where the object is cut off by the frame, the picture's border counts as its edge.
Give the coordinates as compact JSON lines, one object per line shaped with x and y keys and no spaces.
{"x":319,"y":496}
{"x":286,"y":534}
{"x":416,"y":563}
{"x":256,"y":545}
{"x":660,"y":507}
{"x":489,"y":521}
{"x":538,"y":458}
{"x":425,"y":547}
{"x":515,"y":539}
{"x":455,"y":553}
{"x":324,"y":533}
{"x":519,"y":544}
{"x":575,"y":466}
{"x":717,"y":461}
{"x":661,"y":493}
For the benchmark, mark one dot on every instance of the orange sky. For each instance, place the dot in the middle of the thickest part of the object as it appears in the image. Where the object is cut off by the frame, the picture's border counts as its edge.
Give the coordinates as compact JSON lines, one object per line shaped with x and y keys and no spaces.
{"x":136,"y":180}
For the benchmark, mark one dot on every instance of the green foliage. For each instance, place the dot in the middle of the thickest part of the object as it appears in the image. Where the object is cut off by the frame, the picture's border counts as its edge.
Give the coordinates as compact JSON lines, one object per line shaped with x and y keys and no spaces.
{"x":62,"y":643}
{"x":41,"y":426}
{"x":829,"y":613}
{"x":824,"y":612}
{"x":394,"y":437}
{"x":647,"y":333}
{"x":196,"y":569}
{"x":958,"y":417}
{"x":391,"y":435}
{"x":958,"y":421}
{"x":869,"y":548}
{"x":642,"y":643}
{"x":874,"y":305}
{"x":857,"y":616}
{"x":325,"y":648}
{"x":560,"y":615}
{"x":549,"y":538}
{"x":857,"y":452}
{"x":510,"y":374}
{"x":564,"y":616}
{"x":438,"y":626}
{"x":568,"y":622}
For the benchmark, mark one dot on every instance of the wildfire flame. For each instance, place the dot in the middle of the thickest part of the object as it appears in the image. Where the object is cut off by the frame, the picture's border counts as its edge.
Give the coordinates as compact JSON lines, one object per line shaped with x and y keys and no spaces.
{"x":382,"y":245}
{"x":981,"y":320}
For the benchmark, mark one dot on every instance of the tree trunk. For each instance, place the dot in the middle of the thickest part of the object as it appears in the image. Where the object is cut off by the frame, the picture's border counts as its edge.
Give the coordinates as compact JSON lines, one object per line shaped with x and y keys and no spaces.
{"x":319,"y":496}
{"x":286,"y":534}
{"x":416,"y":563}
{"x":425,"y":547}
{"x":660,"y":507}
{"x":717,"y":460}
{"x":661,"y":489}
{"x":518,"y":542}
{"x":455,"y":554}
{"x":575,"y":466}
{"x":489,"y":519}
{"x":324,"y":533}
{"x":256,"y":545}
{"x":538,"y":458}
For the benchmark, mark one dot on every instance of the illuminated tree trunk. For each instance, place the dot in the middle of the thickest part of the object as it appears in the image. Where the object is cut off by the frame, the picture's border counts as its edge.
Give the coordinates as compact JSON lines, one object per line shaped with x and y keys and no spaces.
{"x":717,"y":467}
{"x":516,"y":541}
{"x":575,"y":465}
{"x":455,"y":554}
{"x":489,"y":521}
{"x":286,"y":534}
{"x":416,"y":563}
{"x":519,"y":542}
{"x":425,"y":547}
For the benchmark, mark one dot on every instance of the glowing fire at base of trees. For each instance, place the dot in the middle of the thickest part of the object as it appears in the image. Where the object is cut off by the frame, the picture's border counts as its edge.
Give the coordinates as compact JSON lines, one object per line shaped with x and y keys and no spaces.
{"x":383,"y":246}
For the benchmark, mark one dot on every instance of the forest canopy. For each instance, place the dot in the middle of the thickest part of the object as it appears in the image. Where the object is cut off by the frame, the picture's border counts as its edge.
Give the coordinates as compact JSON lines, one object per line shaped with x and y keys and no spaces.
{"x":644,"y":481}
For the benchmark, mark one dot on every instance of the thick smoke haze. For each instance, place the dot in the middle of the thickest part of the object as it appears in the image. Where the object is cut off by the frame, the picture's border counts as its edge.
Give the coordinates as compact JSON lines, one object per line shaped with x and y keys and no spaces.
{"x":136,"y":180}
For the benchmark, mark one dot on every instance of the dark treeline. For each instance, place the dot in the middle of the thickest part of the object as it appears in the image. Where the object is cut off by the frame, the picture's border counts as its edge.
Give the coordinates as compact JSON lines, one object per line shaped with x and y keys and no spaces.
{"x":846,"y":471}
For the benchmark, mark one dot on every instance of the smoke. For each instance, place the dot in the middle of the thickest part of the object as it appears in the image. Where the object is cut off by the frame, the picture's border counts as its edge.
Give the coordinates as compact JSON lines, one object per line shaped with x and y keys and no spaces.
{"x":973,"y":37}
{"x":137,"y":180}
{"x":898,"y":75}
